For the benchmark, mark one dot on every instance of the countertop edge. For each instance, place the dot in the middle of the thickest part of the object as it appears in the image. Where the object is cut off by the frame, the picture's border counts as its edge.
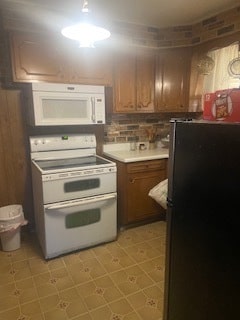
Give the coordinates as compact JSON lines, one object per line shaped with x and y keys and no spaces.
{"x":135,"y":158}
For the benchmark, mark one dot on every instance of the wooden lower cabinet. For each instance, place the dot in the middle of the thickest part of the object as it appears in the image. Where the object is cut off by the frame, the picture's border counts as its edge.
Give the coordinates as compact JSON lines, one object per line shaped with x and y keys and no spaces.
{"x":134,"y":181}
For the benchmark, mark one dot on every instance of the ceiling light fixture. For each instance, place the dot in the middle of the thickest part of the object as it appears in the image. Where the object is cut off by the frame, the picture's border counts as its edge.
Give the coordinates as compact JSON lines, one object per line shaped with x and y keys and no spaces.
{"x":85,"y":32}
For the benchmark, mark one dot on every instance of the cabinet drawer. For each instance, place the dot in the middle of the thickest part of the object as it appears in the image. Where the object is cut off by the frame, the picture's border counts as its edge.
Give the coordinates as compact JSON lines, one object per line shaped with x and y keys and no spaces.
{"x":144,"y":166}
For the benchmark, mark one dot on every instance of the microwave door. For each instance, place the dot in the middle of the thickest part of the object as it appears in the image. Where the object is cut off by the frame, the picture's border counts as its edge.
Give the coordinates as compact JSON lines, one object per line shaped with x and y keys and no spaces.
{"x":66,"y":108}
{"x":62,"y":109}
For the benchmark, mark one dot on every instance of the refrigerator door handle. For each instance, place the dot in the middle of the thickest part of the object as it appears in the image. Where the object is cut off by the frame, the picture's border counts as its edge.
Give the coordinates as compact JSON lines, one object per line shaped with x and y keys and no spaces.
{"x":169,"y":203}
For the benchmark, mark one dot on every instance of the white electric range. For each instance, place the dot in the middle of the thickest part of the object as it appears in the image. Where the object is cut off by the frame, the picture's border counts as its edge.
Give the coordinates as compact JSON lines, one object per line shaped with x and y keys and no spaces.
{"x":74,"y":190}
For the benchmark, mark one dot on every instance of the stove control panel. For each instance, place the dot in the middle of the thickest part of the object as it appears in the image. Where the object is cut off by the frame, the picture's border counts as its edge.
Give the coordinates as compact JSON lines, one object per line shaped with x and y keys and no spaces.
{"x":62,"y":142}
{"x":79,"y":173}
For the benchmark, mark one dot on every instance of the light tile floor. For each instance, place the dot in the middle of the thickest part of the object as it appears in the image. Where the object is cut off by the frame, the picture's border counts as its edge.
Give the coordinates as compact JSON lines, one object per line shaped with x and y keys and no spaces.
{"x":121,"y":280}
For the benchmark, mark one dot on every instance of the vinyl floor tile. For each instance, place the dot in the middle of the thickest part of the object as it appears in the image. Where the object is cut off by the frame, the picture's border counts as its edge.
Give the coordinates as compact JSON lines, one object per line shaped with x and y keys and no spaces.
{"x":120,"y":280}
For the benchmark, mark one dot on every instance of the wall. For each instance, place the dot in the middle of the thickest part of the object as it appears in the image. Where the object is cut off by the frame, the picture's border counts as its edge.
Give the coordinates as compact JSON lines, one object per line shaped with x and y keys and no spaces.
{"x":214,"y":27}
{"x":14,"y":161}
{"x":217,"y":26}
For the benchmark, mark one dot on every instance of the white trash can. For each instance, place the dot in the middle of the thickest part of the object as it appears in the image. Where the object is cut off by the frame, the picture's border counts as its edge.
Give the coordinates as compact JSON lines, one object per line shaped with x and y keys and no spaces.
{"x":11,"y":220}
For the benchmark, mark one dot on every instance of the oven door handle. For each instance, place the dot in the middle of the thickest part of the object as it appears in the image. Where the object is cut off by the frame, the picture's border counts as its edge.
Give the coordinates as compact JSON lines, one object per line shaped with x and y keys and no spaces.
{"x":68,"y":204}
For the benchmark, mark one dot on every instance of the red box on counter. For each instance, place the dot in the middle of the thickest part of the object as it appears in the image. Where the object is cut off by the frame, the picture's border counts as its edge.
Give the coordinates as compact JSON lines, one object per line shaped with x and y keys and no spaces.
{"x":222,"y":105}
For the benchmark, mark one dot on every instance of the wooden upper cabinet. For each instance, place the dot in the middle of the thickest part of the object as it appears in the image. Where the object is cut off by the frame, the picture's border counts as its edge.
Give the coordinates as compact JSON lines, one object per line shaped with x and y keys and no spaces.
{"x":172,"y":80}
{"x":37,"y":57}
{"x":134,"y":82}
{"x":124,"y":83}
{"x":145,"y":79}
{"x":90,"y":66}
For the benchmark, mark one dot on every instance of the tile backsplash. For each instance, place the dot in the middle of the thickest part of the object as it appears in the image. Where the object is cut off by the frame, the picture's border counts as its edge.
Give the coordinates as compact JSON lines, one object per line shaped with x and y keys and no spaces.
{"x":121,"y":128}
{"x":128,"y":127}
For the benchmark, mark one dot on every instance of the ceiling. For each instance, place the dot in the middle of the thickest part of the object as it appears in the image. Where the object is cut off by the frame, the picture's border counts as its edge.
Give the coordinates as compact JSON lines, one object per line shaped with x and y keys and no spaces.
{"x":155,"y":13}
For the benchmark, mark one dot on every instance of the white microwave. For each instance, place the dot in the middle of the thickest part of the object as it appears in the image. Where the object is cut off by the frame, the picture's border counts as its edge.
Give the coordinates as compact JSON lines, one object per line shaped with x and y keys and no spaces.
{"x":66,"y":104}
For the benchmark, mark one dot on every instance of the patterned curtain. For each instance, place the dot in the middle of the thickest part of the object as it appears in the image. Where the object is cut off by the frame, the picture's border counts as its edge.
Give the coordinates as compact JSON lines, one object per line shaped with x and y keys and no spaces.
{"x":219,"y":77}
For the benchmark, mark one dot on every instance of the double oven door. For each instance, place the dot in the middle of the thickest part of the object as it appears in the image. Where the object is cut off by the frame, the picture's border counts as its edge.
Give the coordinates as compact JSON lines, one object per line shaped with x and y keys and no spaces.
{"x":80,"y":223}
{"x":77,"y":209}
{"x":77,"y":185}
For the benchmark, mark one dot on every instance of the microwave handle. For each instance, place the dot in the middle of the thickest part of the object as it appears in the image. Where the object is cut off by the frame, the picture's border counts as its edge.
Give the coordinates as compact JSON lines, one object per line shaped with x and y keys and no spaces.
{"x":93,"y":109}
{"x":69,"y":204}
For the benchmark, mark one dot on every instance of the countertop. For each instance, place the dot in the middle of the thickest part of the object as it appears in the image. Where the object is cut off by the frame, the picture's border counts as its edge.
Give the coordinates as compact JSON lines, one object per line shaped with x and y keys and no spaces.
{"x":122,"y":152}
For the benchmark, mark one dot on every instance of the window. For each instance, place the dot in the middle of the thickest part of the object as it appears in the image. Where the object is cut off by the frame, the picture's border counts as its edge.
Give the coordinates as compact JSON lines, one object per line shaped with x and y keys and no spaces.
{"x":219,"y":77}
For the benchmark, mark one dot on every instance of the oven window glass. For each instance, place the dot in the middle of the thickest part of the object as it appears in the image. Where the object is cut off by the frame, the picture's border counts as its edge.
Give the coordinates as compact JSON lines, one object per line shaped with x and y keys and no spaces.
{"x":82,"y":218}
{"x":81,"y":185}
{"x":65,"y":109}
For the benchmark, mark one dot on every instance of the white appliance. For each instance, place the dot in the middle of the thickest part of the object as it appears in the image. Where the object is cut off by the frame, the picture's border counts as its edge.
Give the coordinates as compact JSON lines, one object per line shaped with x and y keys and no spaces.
{"x":74,"y":191}
{"x":66,"y":104}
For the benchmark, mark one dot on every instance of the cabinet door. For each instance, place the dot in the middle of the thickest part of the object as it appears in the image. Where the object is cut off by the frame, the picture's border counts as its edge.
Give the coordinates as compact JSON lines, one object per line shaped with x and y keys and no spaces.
{"x":88,"y":66}
{"x":145,"y":81}
{"x":125,"y":83}
{"x":50,"y":58}
{"x":140,"y":205}
{"x":172,"y":85}
{"x":34,"y":57}
{"x":143,"y":176}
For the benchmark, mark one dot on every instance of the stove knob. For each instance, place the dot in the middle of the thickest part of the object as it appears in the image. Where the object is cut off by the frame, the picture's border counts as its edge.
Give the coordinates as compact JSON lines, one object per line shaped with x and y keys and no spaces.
{"x":36,"y":142}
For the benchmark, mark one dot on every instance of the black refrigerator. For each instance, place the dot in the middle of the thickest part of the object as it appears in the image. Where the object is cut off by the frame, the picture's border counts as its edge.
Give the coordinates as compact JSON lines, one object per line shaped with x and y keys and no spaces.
{"x":203,"y":222}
